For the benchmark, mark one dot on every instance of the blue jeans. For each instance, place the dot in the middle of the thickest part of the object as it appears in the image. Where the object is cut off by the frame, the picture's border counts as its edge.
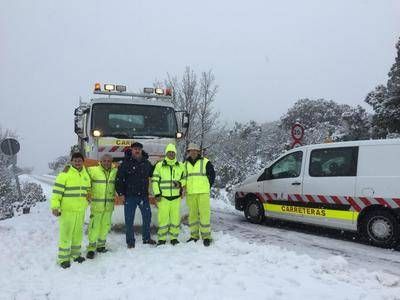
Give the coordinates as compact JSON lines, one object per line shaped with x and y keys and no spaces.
{"x":131,"y":203}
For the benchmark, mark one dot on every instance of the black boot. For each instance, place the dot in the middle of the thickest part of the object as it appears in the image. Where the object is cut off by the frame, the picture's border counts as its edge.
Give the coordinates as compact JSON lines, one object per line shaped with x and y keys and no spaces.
{"x":206,"y":242}
{"x":192,"y":240}
{"x":131,"y":246}
{"x":174,"y":242}
{"x":90,"y":254}
{"x":159,"y":243}
{"x":101,"y":250}
{"x":150,"y":242}
{"x":65,"y":264}
{"x":79,"y":259}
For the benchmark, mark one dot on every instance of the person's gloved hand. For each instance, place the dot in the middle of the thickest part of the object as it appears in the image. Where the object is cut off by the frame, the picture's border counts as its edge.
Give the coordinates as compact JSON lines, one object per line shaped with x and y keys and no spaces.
{"x":56,"y":212}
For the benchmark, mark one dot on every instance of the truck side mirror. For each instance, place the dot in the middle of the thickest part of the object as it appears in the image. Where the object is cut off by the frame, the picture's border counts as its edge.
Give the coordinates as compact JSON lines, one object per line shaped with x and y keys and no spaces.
{"x":185,"y":120}
{"x":78,"y":126}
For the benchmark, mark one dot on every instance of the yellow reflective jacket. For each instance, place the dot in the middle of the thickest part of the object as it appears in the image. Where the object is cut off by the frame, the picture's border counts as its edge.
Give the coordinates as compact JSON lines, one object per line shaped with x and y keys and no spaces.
{"x":196,"y":177}
{"x":70,"y":190}
{"x":103,"y":188}
{"x":167,"y":179}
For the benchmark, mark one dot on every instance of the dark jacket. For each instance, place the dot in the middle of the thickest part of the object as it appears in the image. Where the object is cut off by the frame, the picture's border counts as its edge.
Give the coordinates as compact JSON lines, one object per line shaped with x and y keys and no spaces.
{"x":133,"y":176}
{"x":209,"y":168}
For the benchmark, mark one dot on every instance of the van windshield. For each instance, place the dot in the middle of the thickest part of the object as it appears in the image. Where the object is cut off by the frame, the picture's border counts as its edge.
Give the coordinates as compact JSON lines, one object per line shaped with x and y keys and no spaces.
{"x":132,"y":120}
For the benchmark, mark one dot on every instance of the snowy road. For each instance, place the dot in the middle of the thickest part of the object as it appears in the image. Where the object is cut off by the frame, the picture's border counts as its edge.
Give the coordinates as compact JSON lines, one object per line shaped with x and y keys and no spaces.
{"x":303,"y":239}
{"x":308,"y":240}
{"x":246,"y":261}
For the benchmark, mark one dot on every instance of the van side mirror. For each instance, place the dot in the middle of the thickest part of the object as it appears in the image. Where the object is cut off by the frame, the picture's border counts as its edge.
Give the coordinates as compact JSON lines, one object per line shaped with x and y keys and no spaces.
{"x":266,"y":175}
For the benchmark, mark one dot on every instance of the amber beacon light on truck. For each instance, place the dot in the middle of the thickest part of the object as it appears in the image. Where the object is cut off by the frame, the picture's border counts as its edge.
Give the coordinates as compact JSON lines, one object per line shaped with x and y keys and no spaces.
{"x":115,"y":89}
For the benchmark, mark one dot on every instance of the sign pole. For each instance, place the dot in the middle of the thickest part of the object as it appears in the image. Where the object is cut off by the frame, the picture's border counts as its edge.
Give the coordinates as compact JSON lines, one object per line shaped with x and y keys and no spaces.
{"x":10,"y":147}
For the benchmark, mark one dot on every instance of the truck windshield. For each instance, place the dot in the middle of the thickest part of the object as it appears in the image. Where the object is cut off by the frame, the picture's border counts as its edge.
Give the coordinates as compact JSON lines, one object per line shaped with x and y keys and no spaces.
{"x":132,"y":120}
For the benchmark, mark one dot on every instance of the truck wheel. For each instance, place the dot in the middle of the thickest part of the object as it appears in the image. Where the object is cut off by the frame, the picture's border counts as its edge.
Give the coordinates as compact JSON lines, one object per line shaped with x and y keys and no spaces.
{"x":381,"y":228}
{"x":254,"y":211}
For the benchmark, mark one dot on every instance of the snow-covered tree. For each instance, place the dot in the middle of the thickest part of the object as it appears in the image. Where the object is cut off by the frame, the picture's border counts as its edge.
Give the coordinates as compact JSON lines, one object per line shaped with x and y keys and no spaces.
{"x":58,"y":164}
{"x":207,"y":117}
{"x":325,"y":118}
{"x":195,"y":96}
{"x":385,"y":101}
{"x":357,"y":124}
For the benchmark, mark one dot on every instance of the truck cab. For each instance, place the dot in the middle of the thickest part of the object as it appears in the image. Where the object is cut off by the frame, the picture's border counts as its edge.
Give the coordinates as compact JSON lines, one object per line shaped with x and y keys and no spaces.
{"x":111,"y":122}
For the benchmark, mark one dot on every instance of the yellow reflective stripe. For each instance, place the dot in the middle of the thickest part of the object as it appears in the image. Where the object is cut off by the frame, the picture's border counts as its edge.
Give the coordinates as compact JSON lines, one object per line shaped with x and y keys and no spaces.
{"x":58,"y":192}
{"x":311,"y":212}
{"x":103,"y":181}
{"x":74,"y":188}
{"x":59,"y":185}
{"x":196,"y":174}
{"x":169,"y":188}
{"x":99,"y":181}
{"x":74,"y":195}
{"x":205,"y":225}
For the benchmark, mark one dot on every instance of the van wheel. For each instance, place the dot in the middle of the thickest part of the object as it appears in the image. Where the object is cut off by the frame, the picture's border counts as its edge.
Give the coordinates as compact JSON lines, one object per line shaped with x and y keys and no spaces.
{"x":380,"y":228}
{"x":254,"y":211}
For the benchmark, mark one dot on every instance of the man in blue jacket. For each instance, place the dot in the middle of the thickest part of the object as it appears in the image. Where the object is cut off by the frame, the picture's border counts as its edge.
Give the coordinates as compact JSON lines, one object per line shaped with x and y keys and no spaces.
{"x":132,"y":185}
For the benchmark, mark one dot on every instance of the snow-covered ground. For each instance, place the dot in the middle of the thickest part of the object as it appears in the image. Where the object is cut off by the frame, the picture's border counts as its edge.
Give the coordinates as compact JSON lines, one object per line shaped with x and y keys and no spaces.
{"x":234,"y":267}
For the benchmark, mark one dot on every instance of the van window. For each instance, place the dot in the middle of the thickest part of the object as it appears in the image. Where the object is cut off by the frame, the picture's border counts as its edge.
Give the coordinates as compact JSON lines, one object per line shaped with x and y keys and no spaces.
{"x":287,"y":167}
{"x":331,"y":162}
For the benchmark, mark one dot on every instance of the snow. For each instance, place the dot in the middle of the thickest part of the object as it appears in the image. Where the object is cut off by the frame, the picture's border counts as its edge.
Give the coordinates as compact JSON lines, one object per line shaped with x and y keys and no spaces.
{"x":231,"y":268}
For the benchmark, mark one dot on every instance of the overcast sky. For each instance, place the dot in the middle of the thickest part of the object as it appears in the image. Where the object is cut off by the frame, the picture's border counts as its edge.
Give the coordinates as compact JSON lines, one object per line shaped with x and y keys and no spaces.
{"x":265,"y":55}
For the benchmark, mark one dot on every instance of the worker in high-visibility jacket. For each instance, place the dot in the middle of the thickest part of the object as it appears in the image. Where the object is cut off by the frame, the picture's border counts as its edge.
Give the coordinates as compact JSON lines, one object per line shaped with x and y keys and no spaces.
{"x":200,"y":176}
{"x":69,"y":203}
{"x":167,"y":183}
{"x":101,"y":205}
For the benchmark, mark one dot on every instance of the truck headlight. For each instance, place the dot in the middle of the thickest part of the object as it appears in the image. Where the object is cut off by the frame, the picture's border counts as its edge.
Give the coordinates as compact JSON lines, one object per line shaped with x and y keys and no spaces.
{"x":96,"y":133}
{"x":109,"y":87}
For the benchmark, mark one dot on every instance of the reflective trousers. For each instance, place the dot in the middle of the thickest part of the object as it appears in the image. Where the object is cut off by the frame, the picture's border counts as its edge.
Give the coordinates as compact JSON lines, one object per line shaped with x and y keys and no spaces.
{"x":99,"y":227}
{"x":169,"y":218}
{"x":199,"y":215}
{"x":71,"y":231}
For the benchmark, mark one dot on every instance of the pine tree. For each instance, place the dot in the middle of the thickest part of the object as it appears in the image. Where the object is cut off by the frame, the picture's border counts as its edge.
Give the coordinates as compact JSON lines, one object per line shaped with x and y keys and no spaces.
{"x":385,"y":101}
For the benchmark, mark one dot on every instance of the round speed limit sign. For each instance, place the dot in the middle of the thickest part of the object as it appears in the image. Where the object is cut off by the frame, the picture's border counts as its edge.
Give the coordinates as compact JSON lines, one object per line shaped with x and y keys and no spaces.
{"x":297,"y":132}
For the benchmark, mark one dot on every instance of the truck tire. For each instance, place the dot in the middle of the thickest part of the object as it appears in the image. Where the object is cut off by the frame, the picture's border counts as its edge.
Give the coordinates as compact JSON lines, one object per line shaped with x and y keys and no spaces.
{"x":254,"y":211}
{"x":380,"y":228}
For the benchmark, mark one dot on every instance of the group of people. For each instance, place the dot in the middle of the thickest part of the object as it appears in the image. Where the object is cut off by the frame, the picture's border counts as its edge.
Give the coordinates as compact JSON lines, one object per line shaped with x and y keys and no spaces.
{"x":77,"y":186}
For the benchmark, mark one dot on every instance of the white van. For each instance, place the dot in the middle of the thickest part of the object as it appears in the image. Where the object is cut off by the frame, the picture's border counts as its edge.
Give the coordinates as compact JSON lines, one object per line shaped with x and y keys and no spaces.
{"x":348,"y":185}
